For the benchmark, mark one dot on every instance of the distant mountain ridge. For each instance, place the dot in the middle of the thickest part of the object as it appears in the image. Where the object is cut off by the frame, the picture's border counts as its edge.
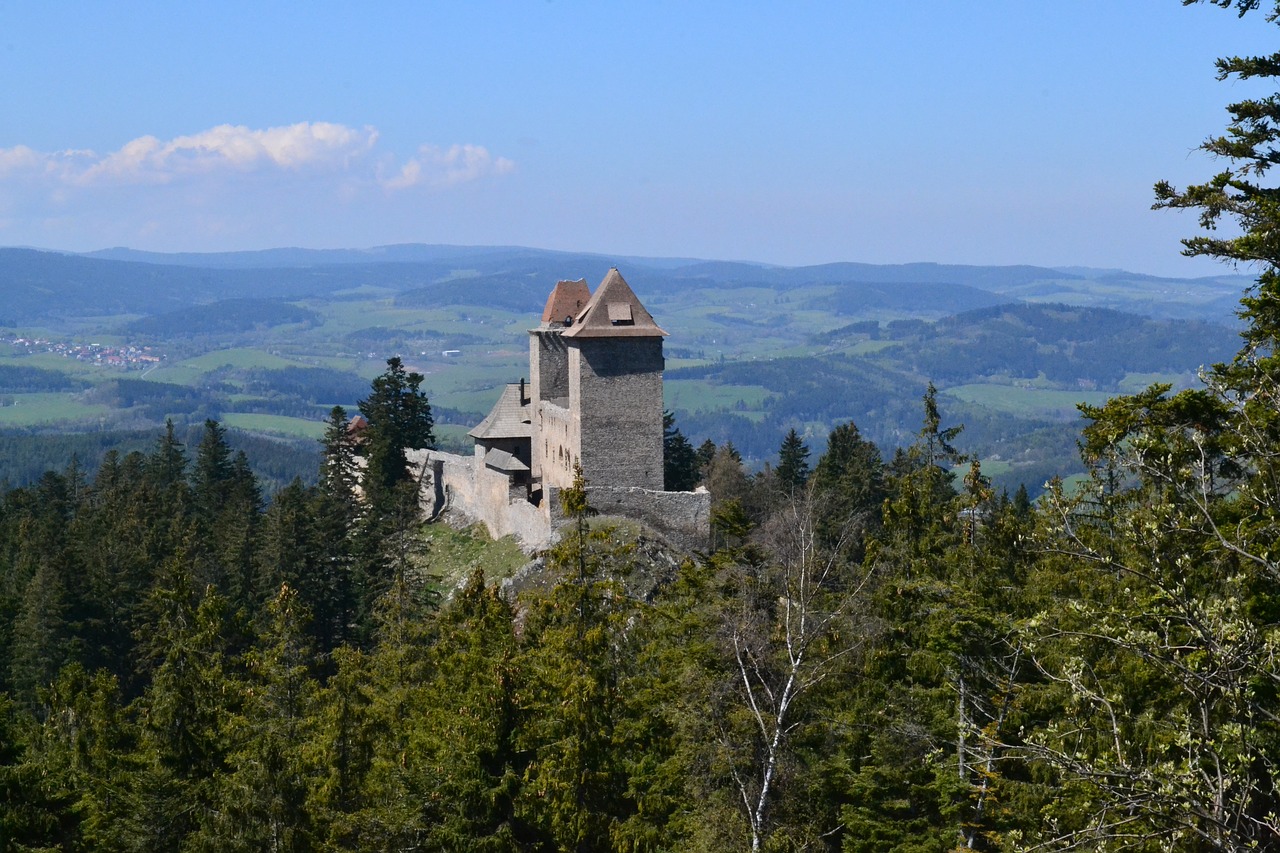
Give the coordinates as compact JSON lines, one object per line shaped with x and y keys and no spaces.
{"x":40,"y":284}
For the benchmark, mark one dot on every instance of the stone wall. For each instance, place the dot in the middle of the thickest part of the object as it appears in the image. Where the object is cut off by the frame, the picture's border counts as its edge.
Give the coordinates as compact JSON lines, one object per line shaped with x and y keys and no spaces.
{"x":683,"y":518}
{"x":554,"y":440}
{"x":548,"y":365}
{"x":615,"y":395}
{"x":463,"y":484}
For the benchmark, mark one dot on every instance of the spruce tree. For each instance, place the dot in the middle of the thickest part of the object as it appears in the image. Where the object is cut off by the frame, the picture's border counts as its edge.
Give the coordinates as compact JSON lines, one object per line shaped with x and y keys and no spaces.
{"x":849,"y":483}
{"x":473,"y":716}
{"x":575,"y":790}
{"x":679,"y":459}
{"x":793,"y":462}
{"x":260,"y":802}
{"x":399,"y":419}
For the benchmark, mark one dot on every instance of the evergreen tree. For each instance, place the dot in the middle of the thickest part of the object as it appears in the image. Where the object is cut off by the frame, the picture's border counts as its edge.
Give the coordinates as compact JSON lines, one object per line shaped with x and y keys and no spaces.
{"x":393,"y":812}
{"x":399,"y":419}
{"x":472,"y":771}
{"x":167,"y":464}
{"x":849,"y":481}
{"x":1160,"y":628}
{"x":183,"y":712}
{"x":793,"y":462}
{"x":111,"y":534}
{"x":575,"y":788}
{"x":213,"y":472}
{"x":260,"y":802}
{"x":88,"y":745}
{"x":341,"y":747}
{"x":335,"y":512}
{"x":705,"y":452}
{"x":35,"y":804}
{"x":46,"y":630}
{"x":679,"y":459}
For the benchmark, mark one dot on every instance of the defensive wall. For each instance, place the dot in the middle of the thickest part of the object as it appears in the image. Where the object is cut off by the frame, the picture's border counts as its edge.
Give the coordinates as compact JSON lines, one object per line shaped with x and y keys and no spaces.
{"x":682,"y":518}
{"x":463,"y":484}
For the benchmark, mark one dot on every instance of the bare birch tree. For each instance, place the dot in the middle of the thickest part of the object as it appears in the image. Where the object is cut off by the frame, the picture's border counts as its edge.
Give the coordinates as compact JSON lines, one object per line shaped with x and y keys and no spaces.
{"x":795,"y":625}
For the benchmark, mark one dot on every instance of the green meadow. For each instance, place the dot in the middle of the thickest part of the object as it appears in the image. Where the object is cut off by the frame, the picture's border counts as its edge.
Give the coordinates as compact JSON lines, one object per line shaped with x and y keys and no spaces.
{"x":1027,"y":402}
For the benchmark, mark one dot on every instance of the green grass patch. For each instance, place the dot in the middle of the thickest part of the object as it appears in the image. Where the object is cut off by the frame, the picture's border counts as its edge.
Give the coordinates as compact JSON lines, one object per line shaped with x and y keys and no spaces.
{"x":699,"y":395}
{"x":22,"y":410}
{"x":990,"y":468}
{"x":871,"y":347}
{"x":274,"y":424}
{"x":1135,"y":382}
{"x":240,"y":358}
{"x":1027,"y":402}
{"x":452,"y":555}
{"x":454,"y":438}
{"x":189,"y":371}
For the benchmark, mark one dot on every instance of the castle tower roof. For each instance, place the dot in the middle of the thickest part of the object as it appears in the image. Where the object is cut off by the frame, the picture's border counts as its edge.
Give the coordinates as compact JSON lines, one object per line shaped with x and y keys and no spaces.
{"x":509,"y":417}
{"x":614,"y":311}
{"x":566,"y":300}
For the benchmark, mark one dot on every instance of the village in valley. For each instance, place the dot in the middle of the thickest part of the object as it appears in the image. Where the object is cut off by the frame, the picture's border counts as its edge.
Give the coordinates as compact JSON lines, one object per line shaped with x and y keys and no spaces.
{"x":123,"y":356}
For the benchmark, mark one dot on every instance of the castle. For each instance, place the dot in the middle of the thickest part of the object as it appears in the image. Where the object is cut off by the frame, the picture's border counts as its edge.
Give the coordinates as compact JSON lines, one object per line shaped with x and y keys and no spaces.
{"x":594,"y":400}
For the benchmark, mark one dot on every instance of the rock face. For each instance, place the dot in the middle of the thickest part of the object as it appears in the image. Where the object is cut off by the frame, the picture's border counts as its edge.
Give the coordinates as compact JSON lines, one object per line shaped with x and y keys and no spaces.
{"x":594,"y":400}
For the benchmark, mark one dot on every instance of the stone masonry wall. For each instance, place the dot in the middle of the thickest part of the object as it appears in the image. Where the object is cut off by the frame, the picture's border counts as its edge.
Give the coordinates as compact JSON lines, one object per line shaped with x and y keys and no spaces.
{"x":554,"y":441}
{"x":683,"y":518}
{"x":615,"y":393}
{"x":548,"y":380}
{"x":463,"y":484}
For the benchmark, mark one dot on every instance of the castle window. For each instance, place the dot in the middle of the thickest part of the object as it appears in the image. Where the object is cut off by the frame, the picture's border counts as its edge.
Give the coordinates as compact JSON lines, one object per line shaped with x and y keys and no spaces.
{"x":620,"y":314}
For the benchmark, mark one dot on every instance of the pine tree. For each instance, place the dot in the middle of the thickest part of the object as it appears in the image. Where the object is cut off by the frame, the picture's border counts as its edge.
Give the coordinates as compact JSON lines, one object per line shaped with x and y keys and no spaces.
{"x":399,"y":419}
{"x":260,"y":802}
{"x":793,"y":462}
{"x":679,"y":459}
{"x":575,"y":789}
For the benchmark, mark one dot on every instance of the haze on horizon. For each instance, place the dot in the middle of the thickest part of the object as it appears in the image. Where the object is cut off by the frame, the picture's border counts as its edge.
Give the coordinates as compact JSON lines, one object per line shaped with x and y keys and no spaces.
{"x":993,"y":133}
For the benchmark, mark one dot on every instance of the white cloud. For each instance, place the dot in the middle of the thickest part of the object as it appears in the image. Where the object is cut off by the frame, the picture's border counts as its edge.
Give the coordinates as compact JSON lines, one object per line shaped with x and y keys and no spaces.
{"x":311,"y":147}
{"x":440,"y":167}
{"x":230,"y":147}
{"x":19,"y":159}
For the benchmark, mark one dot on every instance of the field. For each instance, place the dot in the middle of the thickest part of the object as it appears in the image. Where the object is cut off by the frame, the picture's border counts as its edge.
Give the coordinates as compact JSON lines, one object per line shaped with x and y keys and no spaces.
{"x":274,"y":424}
{"x":1027,"y":402}
{"x":27,"y":410}
{"x":700,"y":396}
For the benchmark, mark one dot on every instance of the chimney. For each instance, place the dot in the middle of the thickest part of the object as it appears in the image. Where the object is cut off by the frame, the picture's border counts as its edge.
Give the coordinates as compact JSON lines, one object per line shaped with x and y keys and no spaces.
{"x":522,"y":397}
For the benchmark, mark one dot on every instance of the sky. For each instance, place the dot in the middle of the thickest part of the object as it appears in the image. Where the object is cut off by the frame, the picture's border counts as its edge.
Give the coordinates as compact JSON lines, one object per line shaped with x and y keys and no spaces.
{"x":992,"y":132}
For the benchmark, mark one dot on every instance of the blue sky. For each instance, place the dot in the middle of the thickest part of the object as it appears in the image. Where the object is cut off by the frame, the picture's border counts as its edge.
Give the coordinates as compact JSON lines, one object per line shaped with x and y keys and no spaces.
{"x":1001,"y":131}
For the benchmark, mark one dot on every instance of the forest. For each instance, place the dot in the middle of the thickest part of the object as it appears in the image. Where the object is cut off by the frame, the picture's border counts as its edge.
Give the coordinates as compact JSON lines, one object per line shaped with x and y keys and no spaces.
{"x":868,"y":656}
{"x":872,"y":653}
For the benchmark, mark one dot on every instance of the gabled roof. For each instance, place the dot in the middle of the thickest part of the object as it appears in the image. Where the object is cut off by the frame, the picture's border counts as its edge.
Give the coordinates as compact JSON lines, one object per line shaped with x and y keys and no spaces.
{"x":567,"y":298}
{"x":509,"y":417}
{"x":614,"y":312}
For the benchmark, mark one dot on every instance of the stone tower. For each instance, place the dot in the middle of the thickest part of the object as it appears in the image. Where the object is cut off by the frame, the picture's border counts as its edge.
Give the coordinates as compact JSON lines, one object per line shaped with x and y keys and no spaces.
{"x":596,"y":388}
